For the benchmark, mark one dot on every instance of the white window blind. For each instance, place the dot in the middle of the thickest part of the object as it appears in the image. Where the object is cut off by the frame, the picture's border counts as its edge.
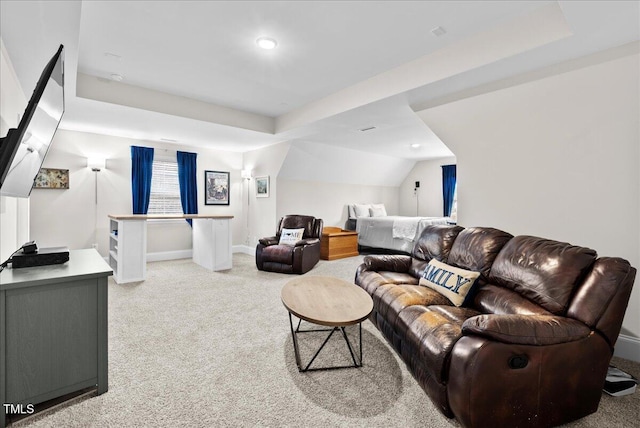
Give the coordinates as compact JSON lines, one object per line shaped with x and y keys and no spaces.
{"x":165,"y":189}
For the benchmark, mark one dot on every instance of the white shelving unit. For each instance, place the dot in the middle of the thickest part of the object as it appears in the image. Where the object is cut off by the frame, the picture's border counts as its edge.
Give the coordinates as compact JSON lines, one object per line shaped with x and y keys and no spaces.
{"x":128,"y":250}
{"x":128,"y":243}
{"x":212,"y":243}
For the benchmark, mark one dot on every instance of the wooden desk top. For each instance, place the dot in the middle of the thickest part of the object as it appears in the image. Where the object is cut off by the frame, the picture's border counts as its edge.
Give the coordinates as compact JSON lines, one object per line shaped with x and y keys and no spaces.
{"x":326,"y":301}
{"x":164,"y":216}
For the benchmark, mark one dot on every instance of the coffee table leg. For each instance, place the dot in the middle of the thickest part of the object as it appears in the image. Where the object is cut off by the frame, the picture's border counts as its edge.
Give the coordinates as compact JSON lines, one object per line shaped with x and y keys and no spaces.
{"x":360,"y":336}
{"x":320,"y":349}
{"x":346,"y":339}
{"x":294,"y":334}
{"x":295,"y":343}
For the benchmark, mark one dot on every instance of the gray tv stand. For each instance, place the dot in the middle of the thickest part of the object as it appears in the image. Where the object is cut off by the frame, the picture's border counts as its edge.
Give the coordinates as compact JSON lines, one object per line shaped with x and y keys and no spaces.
{"x":53,"y":330}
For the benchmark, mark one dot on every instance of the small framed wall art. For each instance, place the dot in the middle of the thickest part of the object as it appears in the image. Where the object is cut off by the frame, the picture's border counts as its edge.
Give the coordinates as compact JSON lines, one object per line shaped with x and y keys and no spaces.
{"x":216,"y":188}
{"x":52,"y":178}
{"x":262,"y":187}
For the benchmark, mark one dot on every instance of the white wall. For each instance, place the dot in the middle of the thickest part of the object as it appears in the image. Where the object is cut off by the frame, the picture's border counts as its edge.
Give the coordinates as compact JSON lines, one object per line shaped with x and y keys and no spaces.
{"x":558,"y":158}
{"x":14,"y":212}
{"x":261,"y":212}
{"x":329,"y":201}
{"x":68,"y":217}
{"x":427,"y":200}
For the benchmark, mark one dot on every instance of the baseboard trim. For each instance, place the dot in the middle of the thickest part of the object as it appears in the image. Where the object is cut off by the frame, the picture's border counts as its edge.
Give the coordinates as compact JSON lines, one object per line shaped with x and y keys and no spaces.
{"x":628,"y":347}
{"x":169,"y":255}
{"x":187,"y":254}
{"x":244,"y":249}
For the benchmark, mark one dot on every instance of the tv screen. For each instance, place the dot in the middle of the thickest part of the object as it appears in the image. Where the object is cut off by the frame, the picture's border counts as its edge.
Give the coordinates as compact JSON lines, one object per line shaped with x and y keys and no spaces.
{"x":24,"y":148}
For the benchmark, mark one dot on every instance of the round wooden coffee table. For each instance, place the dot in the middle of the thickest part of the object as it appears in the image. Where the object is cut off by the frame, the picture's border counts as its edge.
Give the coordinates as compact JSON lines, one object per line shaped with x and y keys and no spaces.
{"x":329,"y":302}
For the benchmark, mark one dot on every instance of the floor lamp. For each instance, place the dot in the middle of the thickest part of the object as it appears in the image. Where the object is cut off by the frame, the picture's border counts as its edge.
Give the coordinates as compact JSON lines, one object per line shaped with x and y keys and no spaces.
{"x":415,"y":192}
{"x":247,"y":174}
{"x":96,"y":165}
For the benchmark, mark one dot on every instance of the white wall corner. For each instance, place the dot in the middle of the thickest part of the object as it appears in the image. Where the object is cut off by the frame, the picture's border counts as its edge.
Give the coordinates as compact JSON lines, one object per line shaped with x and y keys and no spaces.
{"x":243,"y":249}
{"x":628,"y":347}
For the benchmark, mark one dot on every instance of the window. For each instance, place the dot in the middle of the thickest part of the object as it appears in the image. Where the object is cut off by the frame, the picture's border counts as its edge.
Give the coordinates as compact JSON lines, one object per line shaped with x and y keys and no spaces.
{"x":165,"y":189}
{"x":454,"y":206}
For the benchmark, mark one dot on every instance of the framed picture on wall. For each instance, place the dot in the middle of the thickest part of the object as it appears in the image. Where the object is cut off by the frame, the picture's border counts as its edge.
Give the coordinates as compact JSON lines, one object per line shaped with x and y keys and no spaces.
{"x":216,"y":188}
{"x":52,"y":178}
{"x":262,"y":187}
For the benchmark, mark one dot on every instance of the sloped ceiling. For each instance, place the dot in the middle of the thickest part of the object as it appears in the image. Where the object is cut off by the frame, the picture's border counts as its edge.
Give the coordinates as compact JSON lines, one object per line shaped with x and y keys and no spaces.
{"x":331,"y":164}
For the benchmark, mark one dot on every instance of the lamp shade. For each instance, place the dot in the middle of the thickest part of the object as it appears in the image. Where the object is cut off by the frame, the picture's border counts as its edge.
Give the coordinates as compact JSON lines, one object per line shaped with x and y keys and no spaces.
{"x":96,"y":164}
{"x":246,"y":173}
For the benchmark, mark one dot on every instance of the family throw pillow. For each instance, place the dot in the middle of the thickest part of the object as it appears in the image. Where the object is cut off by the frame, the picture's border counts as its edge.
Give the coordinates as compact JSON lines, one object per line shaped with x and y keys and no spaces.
{"x":452,"y":282}
{"x":290,"y":236}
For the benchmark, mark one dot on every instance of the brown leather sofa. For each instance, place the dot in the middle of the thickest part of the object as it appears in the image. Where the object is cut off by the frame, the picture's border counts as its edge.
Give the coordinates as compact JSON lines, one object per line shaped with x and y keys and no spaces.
{"x":301,"y":258}
{"x":532,"y":346}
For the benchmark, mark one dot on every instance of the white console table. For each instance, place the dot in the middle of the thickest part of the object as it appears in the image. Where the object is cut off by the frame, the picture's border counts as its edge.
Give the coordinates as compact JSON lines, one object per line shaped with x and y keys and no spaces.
{"x":128,"y":243}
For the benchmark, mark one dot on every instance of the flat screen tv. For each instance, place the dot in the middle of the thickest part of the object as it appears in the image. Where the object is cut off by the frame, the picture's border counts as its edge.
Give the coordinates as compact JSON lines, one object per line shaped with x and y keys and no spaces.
{"x":24,"y":148}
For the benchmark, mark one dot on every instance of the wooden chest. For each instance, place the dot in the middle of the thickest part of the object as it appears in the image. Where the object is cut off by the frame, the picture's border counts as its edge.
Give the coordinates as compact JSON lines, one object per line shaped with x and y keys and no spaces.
{"x":337,"y":243}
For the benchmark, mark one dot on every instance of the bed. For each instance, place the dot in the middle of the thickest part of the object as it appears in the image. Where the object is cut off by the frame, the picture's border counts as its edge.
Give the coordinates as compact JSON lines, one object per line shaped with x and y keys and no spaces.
{"x":395,"y":234}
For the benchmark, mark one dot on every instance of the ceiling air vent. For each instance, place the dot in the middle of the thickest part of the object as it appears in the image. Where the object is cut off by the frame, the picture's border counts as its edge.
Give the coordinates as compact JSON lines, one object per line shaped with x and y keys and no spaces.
{"x":438,"y":31}
{"x":367,"y":129}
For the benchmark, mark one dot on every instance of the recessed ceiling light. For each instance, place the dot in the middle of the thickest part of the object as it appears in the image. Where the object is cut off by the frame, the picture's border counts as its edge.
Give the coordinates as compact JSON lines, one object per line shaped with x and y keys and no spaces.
{"x":415,"y":145}
{"x":266,"y":43}
{"x":117,"y":77}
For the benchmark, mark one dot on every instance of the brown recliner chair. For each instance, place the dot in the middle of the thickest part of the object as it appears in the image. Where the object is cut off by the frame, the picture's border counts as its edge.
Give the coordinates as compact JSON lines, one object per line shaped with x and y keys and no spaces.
{"x":300,"y":258}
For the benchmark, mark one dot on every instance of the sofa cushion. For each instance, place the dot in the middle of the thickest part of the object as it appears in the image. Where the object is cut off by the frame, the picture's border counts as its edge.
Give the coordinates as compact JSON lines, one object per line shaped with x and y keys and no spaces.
{"x":490,"y":299}
{"x":390,"y":299}
{"x":399,"y":278}
{"x":312,"y":226}
{"x":476,"y":248}
{"x":278,"y":254}
{"x":370,"y":281}
{"x":604,"y":295}
{"x":452,"y":282}
{"x":434,"y":242}
{"x":544,"y":271}
{"x":430,"y":333}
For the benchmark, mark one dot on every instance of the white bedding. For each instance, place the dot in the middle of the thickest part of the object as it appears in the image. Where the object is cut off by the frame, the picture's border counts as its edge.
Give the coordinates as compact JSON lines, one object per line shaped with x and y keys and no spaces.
{"x":405,"y":227}
{"x":393,"y":232}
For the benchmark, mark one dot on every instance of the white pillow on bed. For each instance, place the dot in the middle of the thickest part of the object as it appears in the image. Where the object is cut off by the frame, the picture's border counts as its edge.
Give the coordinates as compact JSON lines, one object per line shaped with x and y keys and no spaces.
{"x":378,"y":210}
{"x":361,"y":210}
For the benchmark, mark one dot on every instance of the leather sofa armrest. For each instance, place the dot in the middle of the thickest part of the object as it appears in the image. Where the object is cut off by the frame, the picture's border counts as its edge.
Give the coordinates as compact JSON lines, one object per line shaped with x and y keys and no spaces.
{"x":307,"y":241}
{"x":389,"y":263}
{"x":272,"y":240}
{"x":526,"y":329}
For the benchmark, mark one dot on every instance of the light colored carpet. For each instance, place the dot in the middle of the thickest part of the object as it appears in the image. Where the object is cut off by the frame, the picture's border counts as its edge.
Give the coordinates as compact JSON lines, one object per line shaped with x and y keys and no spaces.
{"x":193,"y":348}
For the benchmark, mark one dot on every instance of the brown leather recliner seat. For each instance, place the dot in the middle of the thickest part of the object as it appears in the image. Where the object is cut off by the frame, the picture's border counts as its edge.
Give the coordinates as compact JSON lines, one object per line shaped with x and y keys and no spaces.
{"x":299,"y":258}
{"x":532,"y":346}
